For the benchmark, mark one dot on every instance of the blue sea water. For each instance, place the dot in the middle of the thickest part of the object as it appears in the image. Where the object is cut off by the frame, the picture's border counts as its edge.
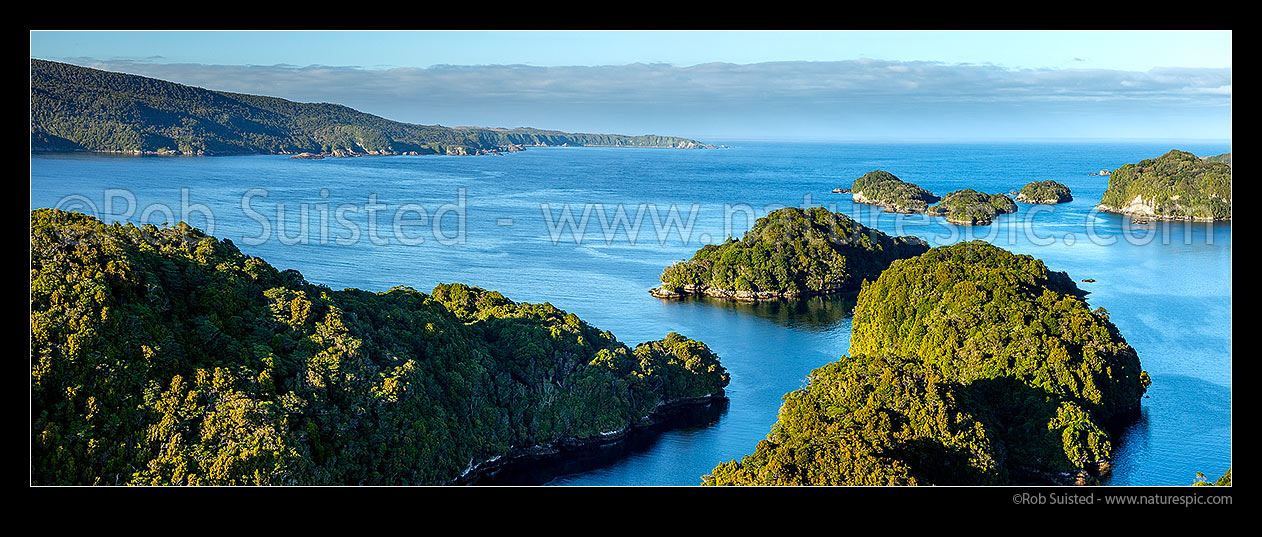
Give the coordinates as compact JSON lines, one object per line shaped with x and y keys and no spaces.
{"x":497,"y":222}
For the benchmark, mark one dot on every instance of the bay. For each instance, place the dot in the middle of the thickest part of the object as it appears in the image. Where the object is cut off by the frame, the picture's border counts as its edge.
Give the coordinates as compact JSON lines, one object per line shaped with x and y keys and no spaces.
{"x":500,"y":225}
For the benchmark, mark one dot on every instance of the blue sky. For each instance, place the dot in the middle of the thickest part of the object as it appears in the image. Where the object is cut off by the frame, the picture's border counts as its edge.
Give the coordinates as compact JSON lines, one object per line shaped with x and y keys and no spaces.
{"x":972,"y":85}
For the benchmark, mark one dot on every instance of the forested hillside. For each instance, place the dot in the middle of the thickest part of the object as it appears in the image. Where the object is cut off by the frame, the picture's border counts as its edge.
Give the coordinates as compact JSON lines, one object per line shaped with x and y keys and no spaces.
{"x":165,"y":356}
{"x":81,"y":109}
{"x":968,"y":365}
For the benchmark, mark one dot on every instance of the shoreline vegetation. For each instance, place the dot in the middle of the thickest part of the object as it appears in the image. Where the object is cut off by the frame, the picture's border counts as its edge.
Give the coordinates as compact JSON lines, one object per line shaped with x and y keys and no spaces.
{"x":790,"y":253}
{"x":967,"y":365}
{"x":79,"y":109}
{"x":1175,"y":186}
{"x":166,"y":356}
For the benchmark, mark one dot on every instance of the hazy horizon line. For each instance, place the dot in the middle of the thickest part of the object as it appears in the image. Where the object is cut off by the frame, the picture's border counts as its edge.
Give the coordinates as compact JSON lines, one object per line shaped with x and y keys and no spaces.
{"x":826,"y":101}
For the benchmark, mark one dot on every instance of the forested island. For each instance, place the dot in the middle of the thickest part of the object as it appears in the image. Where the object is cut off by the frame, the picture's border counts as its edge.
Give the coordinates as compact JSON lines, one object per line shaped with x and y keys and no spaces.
{"x":789,"y":253}
{"x":166,"y":356}
{"x":82,"y":109}
{"x":1044,"y":192}
{"x":968,"y":365}
{"x":969,"y":207}
{"x":882,"y":188}
{"x":1175,"y":186}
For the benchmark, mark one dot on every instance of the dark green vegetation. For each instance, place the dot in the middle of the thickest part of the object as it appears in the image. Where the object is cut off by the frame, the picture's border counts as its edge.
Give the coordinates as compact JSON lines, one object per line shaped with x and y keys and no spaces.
{"x":883,"y":188}
{"x":1044,"y":192}
{"x":1224,"y":481}
{"x":789,"y":253}
{"x":80,"y":109}
{"x":968,"y":365}
{"x":165,"y":356}
{"x":970,"y":207}
{"x":1176,"y":185}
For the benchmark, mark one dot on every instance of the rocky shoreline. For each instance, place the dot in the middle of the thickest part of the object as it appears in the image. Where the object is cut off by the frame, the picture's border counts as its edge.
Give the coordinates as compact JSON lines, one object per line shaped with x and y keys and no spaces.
{"x":1088,"y":476}
{"x":1145,"y":213}
{"x":740,"y":296}
{"x":950,"y":220}
{"x":576,"y":446}
{"x":889,"y":207}
{"x":160,"y":153}
{"x":1021,"y":198}
{"x":1092,"y":472}
{"x":460,"y":151}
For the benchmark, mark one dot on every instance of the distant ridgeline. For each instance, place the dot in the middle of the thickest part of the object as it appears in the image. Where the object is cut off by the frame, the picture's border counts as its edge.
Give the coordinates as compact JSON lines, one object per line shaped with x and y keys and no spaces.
{"x":969,"y":365}
{"x":1174,"y":186}
{"x":80,"y":109}
{"x":791,"y":252}
{"x":165,"y":356}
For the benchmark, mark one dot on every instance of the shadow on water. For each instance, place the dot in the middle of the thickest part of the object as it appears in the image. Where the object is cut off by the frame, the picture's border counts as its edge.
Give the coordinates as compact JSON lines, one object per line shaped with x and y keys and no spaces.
{"x":812,"y":313}
{"x":1184,"y":427}
{"x":538,"y":471}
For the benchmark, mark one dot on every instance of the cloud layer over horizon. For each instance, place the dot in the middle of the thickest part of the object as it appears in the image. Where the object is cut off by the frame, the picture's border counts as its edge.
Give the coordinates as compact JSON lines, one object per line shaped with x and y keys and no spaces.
{"x":854,"y":99}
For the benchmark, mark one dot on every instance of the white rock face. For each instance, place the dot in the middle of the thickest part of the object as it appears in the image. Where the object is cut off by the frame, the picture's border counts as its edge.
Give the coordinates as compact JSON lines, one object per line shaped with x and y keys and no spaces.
{"x":1137,"y":206}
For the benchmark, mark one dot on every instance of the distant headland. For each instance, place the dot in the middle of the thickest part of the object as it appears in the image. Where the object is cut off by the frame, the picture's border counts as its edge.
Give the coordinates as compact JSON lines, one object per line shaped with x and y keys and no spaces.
{"x":77,"y":108}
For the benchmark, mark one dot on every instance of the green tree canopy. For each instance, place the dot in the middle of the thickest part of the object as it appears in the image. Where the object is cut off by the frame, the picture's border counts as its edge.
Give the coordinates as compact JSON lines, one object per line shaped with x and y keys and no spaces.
{"x":970,"y":207}
{"x":165,"y":356}
{"x":788,"y":253}
{"x":968,"y":365}
{"x":1175,"y":185}
{"x":883,"y":188}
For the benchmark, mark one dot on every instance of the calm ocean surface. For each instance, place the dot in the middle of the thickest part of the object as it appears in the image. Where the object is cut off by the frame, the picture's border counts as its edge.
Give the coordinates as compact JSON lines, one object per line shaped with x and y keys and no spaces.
{"x":1166,"y":286}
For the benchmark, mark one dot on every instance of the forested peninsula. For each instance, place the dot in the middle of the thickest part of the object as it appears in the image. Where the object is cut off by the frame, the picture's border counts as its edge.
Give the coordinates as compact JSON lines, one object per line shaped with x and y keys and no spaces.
{"x":789,"y":253}
{"x":968,"y":365}
{"x":82,"y":109}
{"x":165,"y":356}
{"x":1175,"y":186}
